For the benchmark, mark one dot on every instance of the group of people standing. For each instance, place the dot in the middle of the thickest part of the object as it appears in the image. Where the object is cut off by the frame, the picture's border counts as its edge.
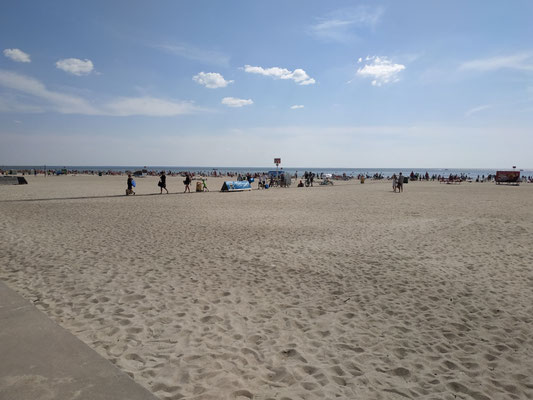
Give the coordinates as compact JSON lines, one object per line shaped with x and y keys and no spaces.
{"x":163,"y":184}
{"x":309,"y":178}
{"x":397,"y":183}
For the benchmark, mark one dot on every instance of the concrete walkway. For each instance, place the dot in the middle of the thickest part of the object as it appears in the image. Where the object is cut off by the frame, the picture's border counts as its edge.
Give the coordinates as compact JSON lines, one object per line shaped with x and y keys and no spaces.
{"x":39,"y":360}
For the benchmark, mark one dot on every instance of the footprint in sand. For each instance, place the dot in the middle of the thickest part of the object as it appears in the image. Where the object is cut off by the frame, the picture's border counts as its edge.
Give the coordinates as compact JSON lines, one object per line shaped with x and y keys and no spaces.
{"x":309,"y":385}
{"x":308,"y":369}
{"x":401,"y":372}
{"x":293,"y":354}
{"x":134,"y":357}
{"x":133,"y":297}
{"x":242,"y":395}
{"x":211,"y":319}
{"x":161,"y":387}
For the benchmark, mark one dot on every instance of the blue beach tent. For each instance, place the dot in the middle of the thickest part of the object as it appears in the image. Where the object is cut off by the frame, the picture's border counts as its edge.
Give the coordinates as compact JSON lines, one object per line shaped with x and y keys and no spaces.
{"x":235,"y":186}
{"x":275,"y":174}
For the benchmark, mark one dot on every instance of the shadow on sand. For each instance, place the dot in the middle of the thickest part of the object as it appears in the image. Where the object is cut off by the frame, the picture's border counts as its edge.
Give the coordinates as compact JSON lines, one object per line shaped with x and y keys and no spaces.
{"x":88,"y":197}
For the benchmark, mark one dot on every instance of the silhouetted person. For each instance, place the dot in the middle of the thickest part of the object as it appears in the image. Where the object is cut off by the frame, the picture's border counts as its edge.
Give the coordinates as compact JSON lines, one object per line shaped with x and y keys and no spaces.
{"x":163,"y":182}
{"x":187,"y":183}
{"x":129,"y":190}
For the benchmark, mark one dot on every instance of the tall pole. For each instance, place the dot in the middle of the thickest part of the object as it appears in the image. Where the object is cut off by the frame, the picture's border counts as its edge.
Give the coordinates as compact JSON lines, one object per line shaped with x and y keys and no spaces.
{"x":277,"y":161}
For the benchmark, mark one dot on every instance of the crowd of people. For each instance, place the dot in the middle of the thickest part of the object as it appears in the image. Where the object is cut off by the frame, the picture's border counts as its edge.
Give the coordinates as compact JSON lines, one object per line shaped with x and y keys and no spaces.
{"x":307,"y":178}
{"x":264,"y":180}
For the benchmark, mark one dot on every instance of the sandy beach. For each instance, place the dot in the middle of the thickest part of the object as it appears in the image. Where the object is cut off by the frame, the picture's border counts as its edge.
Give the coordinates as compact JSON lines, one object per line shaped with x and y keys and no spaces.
{"x":341,"y":292}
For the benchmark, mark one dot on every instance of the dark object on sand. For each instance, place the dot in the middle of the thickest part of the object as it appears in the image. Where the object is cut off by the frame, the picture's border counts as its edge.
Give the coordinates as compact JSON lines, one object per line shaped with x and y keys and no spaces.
{"x":13,"y":180}
{"x":140,"y":173}
{"x":508,"y":177}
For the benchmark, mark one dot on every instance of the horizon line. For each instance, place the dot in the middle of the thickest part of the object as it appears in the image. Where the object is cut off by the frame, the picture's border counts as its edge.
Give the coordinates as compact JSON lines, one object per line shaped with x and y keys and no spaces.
{"x":254,"y":167}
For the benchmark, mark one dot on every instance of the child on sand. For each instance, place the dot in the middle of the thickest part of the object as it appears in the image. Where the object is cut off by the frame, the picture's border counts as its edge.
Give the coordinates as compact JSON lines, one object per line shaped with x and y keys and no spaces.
{"x":129,"y":190}
{"x":204,"y":185}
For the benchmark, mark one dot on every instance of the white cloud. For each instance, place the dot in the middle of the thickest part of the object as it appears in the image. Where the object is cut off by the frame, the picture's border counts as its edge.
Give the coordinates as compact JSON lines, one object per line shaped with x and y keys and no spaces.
{"x":75,"y":66}
{"x":477,"y":109}
{"x":380,"y":69}
{"x":234,"y":102}
{"x":339,"y":26}
{"x":522,"y":61}
{"x":149,"y":106}
{"x":298,"y":75}
{"x":196,"y":54}
{"x":211,"y":80}
{"x":296,"y":107}
{"x":17,"y":55}
{"x":43,"y":100}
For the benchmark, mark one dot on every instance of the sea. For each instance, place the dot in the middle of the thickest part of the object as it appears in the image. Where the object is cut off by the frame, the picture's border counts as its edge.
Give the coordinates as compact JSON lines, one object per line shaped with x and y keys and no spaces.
{"x":208,"y":170}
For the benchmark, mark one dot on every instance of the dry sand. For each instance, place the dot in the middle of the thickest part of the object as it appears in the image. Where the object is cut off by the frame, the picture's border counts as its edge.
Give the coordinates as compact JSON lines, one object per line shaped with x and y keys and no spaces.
{"x":348,"y":292}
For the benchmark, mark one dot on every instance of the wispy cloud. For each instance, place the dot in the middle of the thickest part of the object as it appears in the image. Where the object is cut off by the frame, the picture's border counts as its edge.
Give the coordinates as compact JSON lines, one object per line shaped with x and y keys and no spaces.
{"x":189,"y":52}
{"x":297,"y":107}
{"x":56,"y":101}
{"x":521,"y":62}
{"x":11,"y":104}
{"x":75,"y":66}
{"x":477,"y":109}
{"x":148,"y":106}
{"x":43,"y":99}
{"x":380,"y":69}
{"x":298,"y":75}
{"x":341,"y":25}
{"x":234,"y":102}
{"x":211,"y":80}
{"x":17,"y":55}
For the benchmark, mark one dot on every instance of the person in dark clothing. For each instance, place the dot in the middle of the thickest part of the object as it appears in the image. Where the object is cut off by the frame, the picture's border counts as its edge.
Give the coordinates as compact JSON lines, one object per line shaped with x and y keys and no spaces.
{"x":187,"y":183}
{"x":163,"y":182}
{"x":129,"y":190}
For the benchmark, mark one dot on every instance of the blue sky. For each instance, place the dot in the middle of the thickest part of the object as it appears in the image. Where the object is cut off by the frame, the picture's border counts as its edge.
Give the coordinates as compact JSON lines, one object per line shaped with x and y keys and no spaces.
{"x":237,"y":83}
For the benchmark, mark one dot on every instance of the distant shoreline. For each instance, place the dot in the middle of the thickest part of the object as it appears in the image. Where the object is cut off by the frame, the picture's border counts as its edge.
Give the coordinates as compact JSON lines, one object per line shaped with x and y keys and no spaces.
{"x":208,"y":170}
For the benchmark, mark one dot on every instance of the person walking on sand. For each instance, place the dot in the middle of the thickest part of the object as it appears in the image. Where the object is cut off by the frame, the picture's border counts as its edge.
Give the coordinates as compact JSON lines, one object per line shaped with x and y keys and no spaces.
{"x":204,"y":185}
{"x":394,"y":182}
{"x":163,"y":182}
{"x":129,"y":190}
{"x":187,"y":183}
{"x":400,"y":183}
